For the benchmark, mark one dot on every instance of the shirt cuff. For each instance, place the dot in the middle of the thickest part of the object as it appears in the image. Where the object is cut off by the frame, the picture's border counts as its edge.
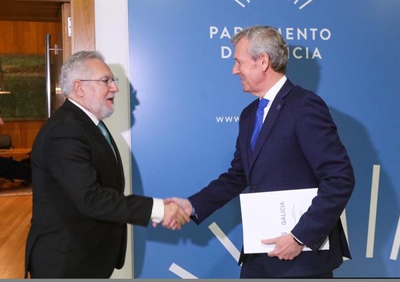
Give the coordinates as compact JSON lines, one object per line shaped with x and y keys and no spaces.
{"x":157,"y":213}
{"x":297,"y":240}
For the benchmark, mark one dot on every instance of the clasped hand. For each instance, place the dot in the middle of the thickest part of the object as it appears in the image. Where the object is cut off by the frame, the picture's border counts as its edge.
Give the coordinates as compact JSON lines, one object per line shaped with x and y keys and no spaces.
{"x":175,"y":213}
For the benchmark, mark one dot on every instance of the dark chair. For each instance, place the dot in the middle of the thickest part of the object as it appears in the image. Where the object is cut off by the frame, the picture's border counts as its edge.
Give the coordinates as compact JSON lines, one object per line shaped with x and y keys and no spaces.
{"x":5,"y":141}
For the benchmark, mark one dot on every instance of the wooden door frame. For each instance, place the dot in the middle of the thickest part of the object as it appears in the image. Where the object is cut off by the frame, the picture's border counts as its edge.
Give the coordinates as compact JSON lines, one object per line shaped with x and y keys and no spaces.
{"x":83,"y":26}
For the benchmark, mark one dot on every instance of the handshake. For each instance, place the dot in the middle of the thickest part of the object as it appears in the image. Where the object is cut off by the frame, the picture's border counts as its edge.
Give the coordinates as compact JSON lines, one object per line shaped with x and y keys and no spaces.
{"x":177,"y":212}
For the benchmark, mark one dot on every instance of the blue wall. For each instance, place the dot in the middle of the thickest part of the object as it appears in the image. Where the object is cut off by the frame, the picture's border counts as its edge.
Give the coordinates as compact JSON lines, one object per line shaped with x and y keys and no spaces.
{"x":184,"y":102}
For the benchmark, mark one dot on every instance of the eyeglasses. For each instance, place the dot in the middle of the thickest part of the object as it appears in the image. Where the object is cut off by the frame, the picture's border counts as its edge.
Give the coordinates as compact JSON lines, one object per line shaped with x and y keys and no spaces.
{"x":105,"y":81}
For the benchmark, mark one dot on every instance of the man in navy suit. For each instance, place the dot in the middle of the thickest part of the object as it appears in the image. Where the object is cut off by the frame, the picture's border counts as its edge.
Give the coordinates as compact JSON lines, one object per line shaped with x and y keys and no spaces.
{"x":80,"y":213}
{"x":298,"y":147}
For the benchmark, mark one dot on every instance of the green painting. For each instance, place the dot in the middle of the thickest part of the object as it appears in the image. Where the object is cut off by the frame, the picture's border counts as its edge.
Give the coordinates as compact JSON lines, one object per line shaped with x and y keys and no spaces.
{"x":24,"y":77}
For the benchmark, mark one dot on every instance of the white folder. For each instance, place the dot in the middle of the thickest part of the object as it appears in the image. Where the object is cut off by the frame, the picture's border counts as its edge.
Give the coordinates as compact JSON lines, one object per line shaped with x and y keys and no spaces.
{"x":267,"y":215}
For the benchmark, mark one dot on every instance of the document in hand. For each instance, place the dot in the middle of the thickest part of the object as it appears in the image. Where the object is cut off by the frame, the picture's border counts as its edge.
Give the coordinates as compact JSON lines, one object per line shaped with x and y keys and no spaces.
{"x":267,"y":215}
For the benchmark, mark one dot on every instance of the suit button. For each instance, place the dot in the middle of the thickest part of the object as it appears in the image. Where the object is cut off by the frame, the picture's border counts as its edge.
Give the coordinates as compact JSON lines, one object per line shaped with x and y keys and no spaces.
{"x":253,"y":189}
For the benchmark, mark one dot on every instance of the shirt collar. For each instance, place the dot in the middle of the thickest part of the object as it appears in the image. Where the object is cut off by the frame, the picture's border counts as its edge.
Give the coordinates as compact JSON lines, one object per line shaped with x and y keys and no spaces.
{"x":271,"y":93}
{"x":89,"y":114}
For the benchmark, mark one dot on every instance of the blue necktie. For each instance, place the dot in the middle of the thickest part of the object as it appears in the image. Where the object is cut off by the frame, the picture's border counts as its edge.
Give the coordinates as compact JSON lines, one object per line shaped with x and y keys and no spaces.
{"x":104,"y":131}
{"x":259,"y":121}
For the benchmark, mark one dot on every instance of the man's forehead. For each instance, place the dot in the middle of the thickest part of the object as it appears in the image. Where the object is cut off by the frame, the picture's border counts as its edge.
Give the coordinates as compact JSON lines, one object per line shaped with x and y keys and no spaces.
{"x":99,"y":67}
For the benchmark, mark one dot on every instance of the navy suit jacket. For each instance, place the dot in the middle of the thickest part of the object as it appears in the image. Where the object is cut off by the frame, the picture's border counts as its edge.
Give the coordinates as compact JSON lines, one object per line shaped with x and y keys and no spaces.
{"x":298,"y":147}
{"x":78,"y":226}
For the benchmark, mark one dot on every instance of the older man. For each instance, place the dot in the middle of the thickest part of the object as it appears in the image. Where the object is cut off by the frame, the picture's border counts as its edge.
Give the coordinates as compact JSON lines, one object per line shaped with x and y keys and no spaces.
{"x":79,"y":210}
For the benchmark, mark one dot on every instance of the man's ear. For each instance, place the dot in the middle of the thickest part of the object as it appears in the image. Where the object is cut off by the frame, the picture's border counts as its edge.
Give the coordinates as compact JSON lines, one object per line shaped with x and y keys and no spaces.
{"x":78,"y":88}
{"x":264,"y":60}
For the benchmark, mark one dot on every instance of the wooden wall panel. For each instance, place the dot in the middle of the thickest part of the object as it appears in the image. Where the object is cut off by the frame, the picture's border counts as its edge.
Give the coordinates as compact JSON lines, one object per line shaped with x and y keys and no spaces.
{"x":22,"y":133}
{"x":66,"y":13}
{"x":25,"y":38}
{"x":83,"y":25}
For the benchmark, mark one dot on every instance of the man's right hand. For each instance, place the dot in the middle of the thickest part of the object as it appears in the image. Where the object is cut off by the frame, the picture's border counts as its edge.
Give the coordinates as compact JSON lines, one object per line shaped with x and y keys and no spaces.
{"x":174,"y":216}
{"x":183,"y":203}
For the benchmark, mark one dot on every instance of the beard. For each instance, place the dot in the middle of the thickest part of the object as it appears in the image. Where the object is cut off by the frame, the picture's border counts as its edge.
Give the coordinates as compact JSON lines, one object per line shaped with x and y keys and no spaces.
{"x":101,"y":110}
{"x":106,"y":112}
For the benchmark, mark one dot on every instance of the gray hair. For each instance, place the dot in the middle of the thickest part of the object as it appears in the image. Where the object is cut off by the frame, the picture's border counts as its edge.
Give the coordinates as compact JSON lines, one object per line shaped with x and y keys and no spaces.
{"x":265,"y":39}
{"x":75,"y":67}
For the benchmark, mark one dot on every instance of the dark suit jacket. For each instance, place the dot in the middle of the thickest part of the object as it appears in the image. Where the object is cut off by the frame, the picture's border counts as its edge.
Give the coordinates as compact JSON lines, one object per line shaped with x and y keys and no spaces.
{"x":78,"y":227}
{"x":298,"y":147}
{"x":12,"y":169}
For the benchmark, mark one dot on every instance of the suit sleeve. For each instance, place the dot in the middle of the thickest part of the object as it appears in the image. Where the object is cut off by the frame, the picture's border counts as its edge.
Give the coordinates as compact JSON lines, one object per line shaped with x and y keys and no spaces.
{"x":321,"y":145}
{"x":91,"y":181}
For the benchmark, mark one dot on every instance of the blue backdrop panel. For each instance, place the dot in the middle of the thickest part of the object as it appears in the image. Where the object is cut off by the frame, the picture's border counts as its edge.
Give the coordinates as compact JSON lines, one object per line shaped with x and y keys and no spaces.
{"x":185,"y":104}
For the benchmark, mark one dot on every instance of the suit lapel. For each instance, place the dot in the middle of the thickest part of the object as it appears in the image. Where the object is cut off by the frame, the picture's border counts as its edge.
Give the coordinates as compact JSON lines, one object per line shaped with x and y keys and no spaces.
{"x":84,"y":118}
{"x":269,"y":122}
{"x":248,"y":130}
{"x":116,"y":156}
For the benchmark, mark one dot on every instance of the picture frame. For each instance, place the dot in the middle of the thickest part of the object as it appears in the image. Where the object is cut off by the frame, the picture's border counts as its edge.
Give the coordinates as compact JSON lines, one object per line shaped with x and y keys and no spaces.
{"x":23,"y":75}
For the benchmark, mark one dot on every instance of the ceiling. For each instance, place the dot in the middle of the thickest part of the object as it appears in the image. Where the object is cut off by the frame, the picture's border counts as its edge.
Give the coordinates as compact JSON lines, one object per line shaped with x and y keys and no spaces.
{"x":31,"y":10}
